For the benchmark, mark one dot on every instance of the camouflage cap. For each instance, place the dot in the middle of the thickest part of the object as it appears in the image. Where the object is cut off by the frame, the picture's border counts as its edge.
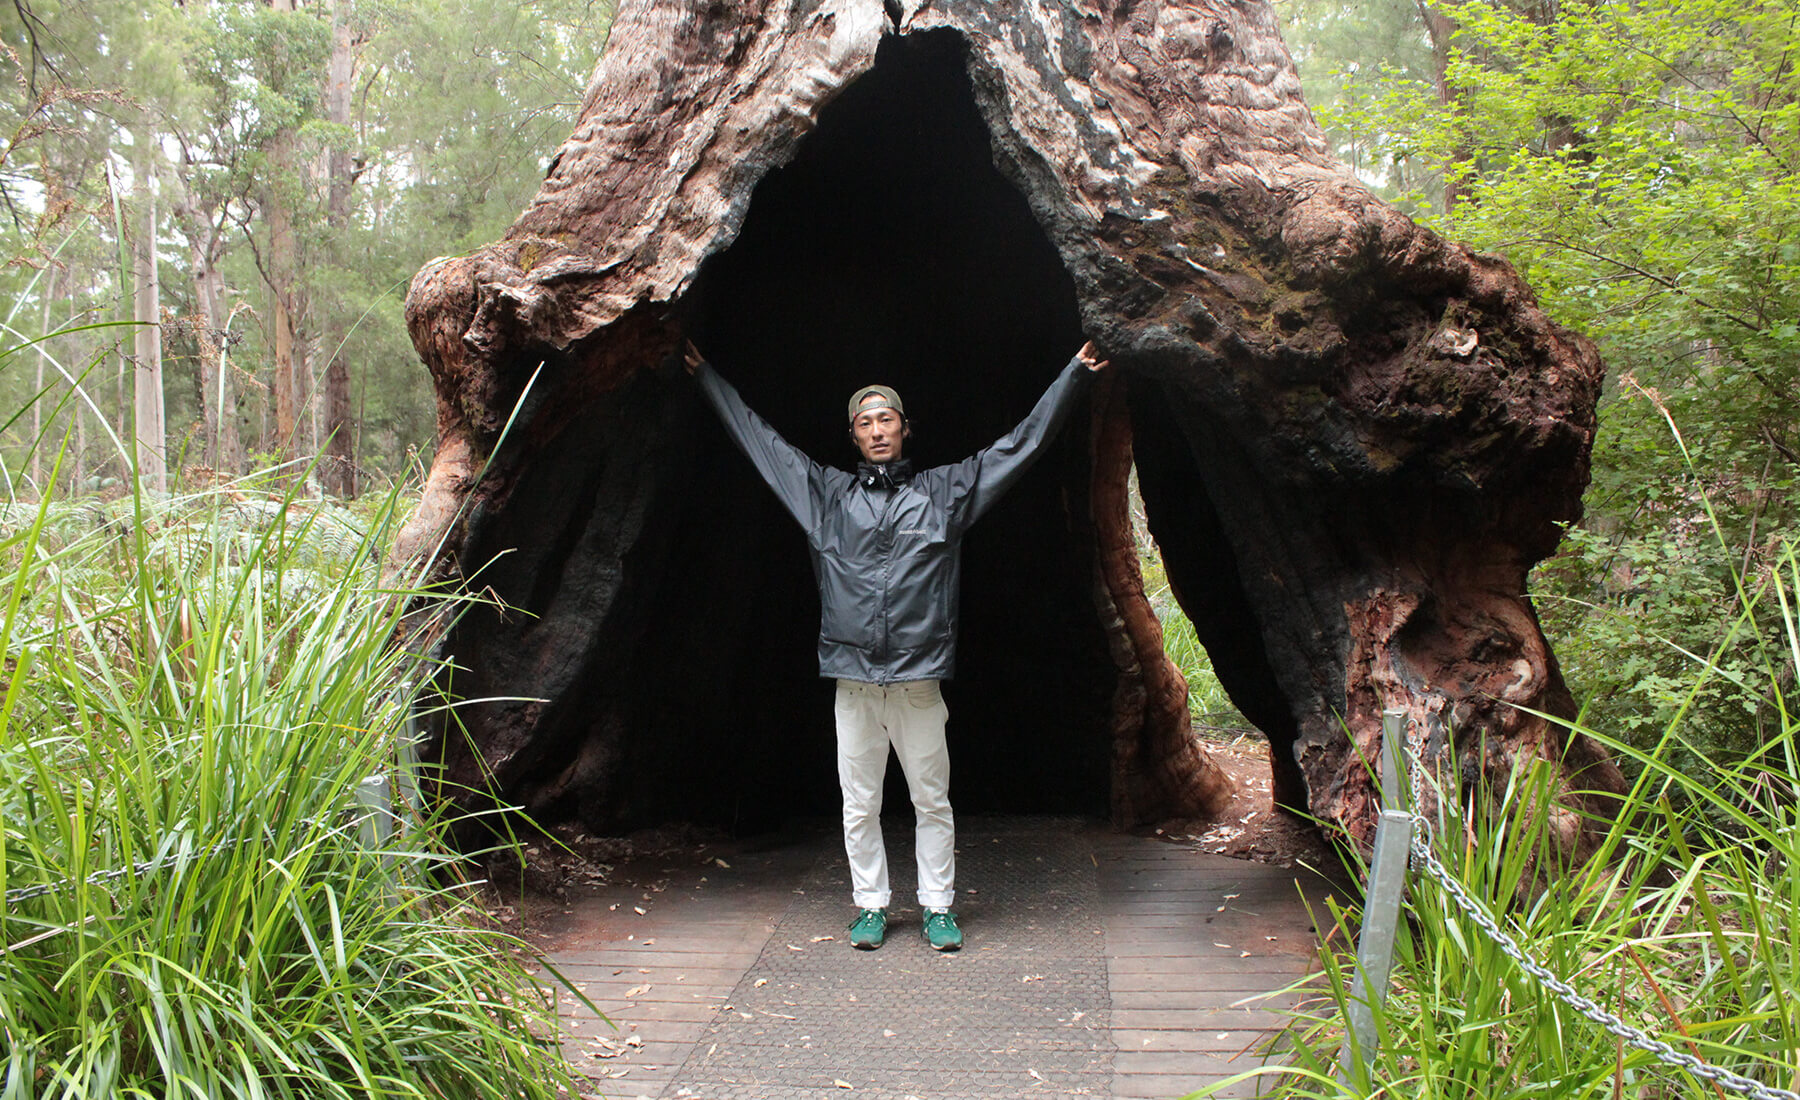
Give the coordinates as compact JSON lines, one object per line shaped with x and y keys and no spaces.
{"x":888,"y":400}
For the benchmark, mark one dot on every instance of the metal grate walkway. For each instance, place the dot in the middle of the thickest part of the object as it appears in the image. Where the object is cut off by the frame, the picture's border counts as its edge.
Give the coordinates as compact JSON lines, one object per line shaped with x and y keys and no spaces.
{"x":1097,"y":965}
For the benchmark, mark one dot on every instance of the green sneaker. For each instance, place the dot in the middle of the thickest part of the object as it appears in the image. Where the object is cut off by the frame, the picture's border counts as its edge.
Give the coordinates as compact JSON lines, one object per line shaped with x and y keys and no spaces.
{"x":940,"y":930}
{"x":867,"y":930}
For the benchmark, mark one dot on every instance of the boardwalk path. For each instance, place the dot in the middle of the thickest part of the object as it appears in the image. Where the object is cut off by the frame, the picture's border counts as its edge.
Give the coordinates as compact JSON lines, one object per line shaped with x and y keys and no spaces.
{"x":1098,"y":965}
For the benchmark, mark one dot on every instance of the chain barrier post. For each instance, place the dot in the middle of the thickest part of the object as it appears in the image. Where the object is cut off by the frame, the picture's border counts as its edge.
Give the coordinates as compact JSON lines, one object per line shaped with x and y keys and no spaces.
{"x":1381,"y":903}
{"x":406,"y":784}
{"x":376,"y":825}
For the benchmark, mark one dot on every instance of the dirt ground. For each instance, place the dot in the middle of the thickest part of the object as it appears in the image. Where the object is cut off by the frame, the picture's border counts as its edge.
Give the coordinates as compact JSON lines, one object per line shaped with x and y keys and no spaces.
{"x":1251,"y":827}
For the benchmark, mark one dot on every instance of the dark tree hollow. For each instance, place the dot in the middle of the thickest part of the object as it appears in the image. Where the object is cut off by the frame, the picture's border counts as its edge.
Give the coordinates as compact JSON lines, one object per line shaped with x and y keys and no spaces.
{"x":890,"y":249}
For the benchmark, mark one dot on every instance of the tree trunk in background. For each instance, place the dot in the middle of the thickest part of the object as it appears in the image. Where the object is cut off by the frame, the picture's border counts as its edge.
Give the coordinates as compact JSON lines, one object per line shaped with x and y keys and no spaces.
{"x":148,"y":437}
{"x":1441,"y":29}
{"x":221,"y":450}
{"x":338,"y":463}
{"x":283,"y":309}
{"x":1354,"y":438}
{"x":283,"y":279}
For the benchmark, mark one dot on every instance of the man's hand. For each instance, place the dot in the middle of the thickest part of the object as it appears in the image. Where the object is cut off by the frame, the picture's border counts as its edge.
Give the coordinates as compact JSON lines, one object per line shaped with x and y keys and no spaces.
{"x":1090,"y":357}
{"x":692,"y":357}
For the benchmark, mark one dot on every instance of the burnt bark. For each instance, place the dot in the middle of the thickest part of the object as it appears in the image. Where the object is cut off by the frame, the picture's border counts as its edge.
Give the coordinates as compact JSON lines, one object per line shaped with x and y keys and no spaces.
{"x":1353,"y":438}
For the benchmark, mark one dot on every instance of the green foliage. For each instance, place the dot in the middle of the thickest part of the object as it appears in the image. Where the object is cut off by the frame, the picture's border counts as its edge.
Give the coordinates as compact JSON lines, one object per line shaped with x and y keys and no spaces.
{"x":1686,"y":924}
{"x":196,"y":689}
{"x":1350,"y":55}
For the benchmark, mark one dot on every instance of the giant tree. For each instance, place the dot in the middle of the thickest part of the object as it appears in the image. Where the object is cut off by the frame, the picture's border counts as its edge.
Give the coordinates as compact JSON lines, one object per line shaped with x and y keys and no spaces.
{"x":1353,"y":437}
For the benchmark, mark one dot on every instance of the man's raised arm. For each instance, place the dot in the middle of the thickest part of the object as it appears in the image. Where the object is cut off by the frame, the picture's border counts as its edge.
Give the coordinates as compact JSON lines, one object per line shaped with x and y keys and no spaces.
{"x":983,"y":478}
{"x":785,"y":467}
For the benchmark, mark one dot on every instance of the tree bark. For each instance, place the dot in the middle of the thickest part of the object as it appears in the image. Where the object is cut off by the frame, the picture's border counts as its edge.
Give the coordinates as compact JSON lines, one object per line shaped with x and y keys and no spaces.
{"x":283,"y":279}
{"x":200,"y":224}
{"x":1157,"y":763}
{"x":1354,"y":438}
{"x":338,"y":462}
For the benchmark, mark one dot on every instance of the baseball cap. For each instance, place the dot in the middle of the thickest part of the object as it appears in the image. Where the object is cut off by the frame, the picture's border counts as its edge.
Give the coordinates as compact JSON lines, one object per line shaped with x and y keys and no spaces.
{"x":889,"y":400}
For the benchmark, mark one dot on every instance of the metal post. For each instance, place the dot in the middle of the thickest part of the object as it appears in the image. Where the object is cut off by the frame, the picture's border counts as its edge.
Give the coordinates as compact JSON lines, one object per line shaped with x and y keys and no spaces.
{"x":407,"y":754}
{"x":376,"y":826}
{"x":1381,"y":903}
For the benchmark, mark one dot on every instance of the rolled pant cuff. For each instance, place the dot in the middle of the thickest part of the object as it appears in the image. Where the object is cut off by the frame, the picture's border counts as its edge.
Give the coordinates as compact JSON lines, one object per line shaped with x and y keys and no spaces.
{"x":870,"y":901}
{"x":937,"y":899}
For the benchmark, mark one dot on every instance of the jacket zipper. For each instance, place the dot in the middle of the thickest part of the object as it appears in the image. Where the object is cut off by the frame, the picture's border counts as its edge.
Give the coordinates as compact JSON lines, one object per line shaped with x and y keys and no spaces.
{"x":884,"y":535}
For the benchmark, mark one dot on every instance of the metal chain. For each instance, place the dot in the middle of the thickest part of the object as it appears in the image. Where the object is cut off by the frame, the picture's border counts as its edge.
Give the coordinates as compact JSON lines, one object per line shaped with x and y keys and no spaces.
{"x":26,"y":893}
{"x":1415,"y":748}
{"x":1426,"y":860}
{"x":38,"y":890}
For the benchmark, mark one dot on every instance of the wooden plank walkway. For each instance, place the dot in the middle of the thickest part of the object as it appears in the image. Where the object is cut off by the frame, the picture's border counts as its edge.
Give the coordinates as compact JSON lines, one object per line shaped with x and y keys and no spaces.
{"x":734,"y":980}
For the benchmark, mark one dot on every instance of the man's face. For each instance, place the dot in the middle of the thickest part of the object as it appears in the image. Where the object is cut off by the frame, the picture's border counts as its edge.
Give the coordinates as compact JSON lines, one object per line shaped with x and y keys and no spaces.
{"x":879,"y":433}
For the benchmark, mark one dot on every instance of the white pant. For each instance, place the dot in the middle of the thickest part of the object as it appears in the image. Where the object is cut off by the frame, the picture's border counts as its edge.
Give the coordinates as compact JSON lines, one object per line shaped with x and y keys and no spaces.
{"x":910,"y":716}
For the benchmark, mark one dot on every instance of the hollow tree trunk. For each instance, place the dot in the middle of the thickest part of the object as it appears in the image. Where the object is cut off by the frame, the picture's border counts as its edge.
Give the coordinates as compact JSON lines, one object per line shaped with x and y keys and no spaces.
{"x":1353,"y":438}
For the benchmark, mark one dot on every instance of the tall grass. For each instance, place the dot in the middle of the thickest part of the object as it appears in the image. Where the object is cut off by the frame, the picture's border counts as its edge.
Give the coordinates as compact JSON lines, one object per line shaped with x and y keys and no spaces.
{"x":194,"y":690}
{"x":1687,"y":924}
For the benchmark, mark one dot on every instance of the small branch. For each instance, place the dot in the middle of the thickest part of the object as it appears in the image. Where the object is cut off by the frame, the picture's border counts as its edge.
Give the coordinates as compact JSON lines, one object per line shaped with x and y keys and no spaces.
{"x":1661,"y":280}
{"x":1669,"y":1007}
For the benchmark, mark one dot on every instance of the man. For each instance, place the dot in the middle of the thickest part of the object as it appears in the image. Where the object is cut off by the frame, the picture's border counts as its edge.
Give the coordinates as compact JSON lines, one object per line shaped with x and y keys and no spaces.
{"x":886,"y":550}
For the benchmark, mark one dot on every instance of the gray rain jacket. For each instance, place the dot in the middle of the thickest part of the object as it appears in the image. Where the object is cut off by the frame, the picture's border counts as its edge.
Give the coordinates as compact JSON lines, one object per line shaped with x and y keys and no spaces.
{"x":889,"y":561}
